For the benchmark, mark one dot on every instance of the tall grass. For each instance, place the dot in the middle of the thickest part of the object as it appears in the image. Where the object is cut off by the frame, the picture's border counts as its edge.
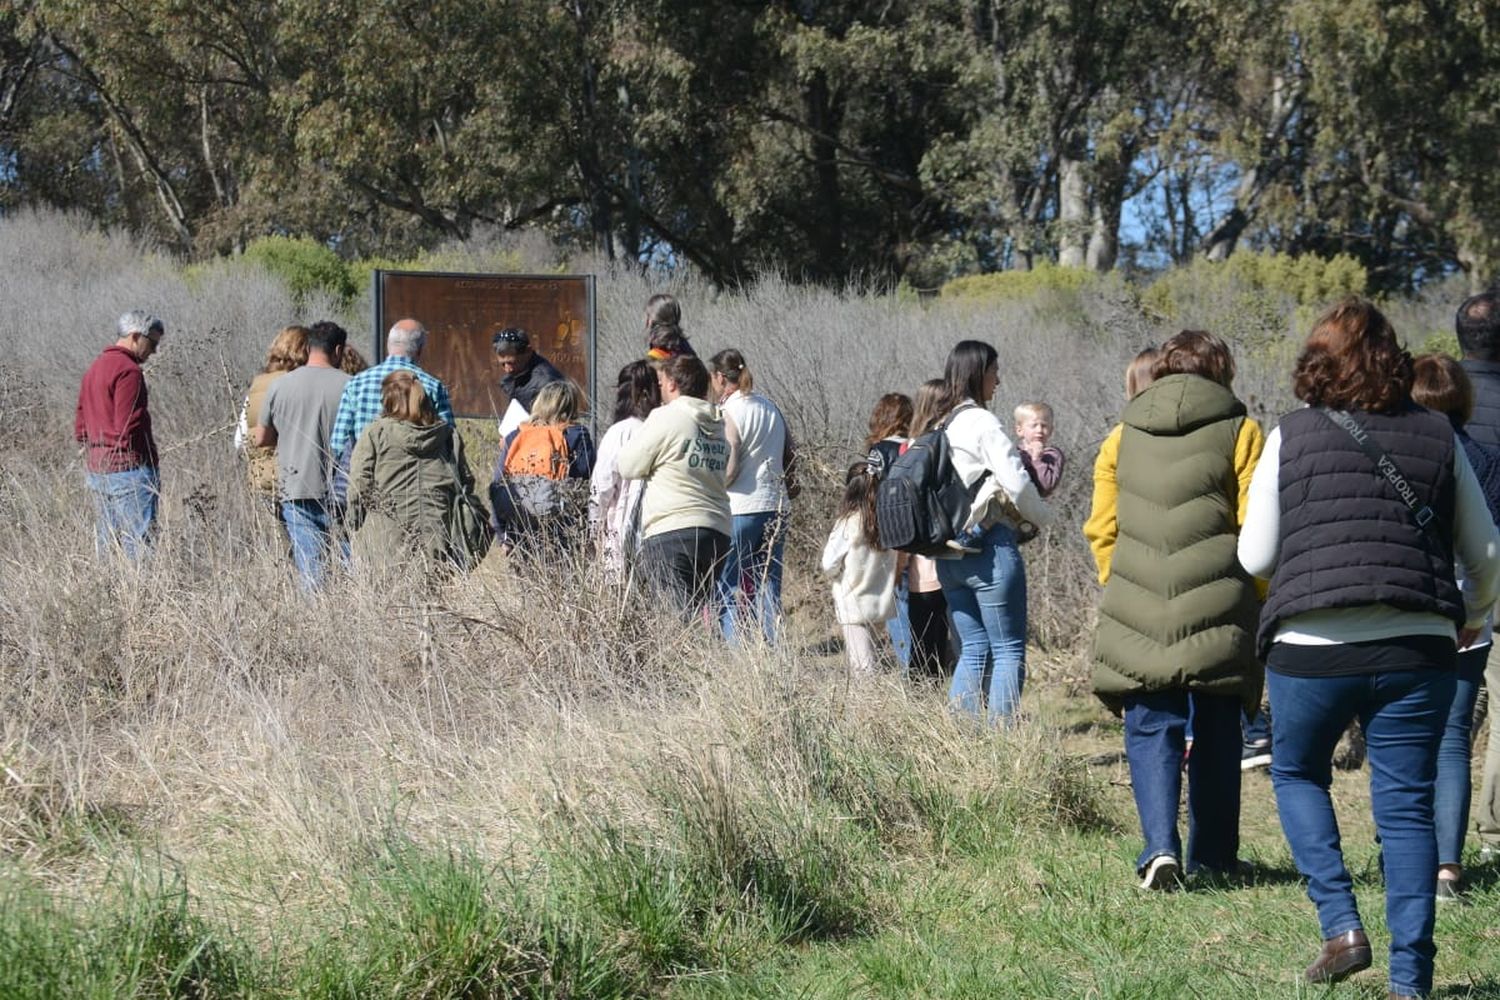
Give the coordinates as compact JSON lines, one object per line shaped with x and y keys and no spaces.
{"x":514,"y":784}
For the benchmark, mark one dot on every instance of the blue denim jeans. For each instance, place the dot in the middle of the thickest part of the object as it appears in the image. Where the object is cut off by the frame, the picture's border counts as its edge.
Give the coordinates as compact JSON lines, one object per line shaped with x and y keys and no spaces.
{"x":986,"y":594}
{"x":1454,"y":785}
{"x":1403,"y":713}
{"x":126,"y":504}
{"x":750,"y":583}
{"x":1155,"y":731}
{"x":899,"y":627}
{"x":309,"y":526}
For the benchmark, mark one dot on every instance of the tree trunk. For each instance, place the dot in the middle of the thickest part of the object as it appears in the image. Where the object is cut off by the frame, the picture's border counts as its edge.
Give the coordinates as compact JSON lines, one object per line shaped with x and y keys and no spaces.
{"x":1072,"y":209}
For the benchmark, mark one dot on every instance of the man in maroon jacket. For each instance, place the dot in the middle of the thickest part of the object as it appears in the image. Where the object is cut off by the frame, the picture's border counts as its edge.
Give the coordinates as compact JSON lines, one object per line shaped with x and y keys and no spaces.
{"x":114,"y":426}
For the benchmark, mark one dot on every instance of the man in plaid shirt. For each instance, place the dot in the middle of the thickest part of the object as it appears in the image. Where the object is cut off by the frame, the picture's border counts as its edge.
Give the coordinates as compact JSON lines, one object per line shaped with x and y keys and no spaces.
{"x":360,"y":404}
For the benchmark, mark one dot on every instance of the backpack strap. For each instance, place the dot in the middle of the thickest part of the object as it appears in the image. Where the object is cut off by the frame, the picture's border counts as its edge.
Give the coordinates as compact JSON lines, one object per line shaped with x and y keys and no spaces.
{"x":1386,"y":468}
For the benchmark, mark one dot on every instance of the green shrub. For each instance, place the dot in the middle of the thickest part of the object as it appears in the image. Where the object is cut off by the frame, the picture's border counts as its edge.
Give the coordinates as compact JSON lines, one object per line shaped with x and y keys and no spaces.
{"x":1436,"y":342}
{"x":1252,"y":298}
{"x":1010,"y":286}
{"x":304,"y":265}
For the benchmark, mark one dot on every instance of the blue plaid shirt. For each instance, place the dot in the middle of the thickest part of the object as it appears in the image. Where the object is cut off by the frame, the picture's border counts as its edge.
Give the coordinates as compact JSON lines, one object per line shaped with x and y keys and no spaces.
{"x":360,"y":404}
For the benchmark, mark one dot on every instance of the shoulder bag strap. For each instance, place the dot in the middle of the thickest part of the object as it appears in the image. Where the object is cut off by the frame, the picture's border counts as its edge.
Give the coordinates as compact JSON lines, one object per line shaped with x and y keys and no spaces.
{"x":1386,"y":468}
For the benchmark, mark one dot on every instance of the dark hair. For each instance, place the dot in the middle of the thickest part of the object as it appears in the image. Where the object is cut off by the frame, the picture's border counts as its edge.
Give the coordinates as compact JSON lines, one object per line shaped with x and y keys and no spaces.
{"x":689,"y":375}
{"x":859,"y":497}
{"x":510,"y":341}
{"x":636,"y":391}
{"x":890,"y":418}
{"x":964,"y":372}
{"x":1441,"y":384}
{"x":1478,"y":325}
{"x":1195,"y":352}
{"x":731,"y":364}
{"x":325,"y":336}
{"x":1352,"y":361}
{"x":664,"y":336}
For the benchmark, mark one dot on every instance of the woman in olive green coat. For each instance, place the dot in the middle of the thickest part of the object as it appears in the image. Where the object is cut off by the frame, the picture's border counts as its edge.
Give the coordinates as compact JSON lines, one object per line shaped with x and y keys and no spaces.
{"x":1177,"y":623}
{"x":406,"y":479}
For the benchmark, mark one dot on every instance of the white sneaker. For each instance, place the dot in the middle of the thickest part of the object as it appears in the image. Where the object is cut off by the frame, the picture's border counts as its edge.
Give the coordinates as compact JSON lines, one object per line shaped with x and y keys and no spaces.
{"x":1162,"y":872}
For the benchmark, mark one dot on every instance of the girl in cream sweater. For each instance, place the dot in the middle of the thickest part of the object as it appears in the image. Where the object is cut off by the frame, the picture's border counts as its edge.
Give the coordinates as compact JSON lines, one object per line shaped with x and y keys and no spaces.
{"x":863,"y":573}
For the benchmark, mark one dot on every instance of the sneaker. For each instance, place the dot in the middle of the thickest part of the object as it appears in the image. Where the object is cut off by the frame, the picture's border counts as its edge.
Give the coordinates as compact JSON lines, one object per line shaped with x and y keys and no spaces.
{"x":1448,"y":891}
{"x":1254,"y":755}
{"x":1162,"y":872}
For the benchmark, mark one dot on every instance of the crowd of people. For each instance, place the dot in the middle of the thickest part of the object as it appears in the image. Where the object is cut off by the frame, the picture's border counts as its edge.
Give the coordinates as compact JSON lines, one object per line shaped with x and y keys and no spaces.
{"x":1345,"y":565}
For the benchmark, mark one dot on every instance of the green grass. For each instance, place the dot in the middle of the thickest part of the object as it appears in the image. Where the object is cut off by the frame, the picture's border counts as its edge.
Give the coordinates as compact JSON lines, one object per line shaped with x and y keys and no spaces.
{"x":860,"y":869}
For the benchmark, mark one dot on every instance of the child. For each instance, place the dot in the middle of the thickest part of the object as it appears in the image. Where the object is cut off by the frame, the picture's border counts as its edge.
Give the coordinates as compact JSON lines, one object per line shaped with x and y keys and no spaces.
{"x":539,"y":491}
{"x":926,"y":608}
{"x":1044,"y":462}
{"x":863,"y":573}
{"x":890,"y":423}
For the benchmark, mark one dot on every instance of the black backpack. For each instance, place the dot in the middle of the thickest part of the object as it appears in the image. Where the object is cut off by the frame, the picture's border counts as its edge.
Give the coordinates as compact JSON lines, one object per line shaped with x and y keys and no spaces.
{"x":922,"y":504}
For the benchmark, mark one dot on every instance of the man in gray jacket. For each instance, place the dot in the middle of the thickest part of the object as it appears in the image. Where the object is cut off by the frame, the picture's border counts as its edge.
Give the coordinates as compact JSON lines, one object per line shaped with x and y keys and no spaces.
{"x":1478,"y":327}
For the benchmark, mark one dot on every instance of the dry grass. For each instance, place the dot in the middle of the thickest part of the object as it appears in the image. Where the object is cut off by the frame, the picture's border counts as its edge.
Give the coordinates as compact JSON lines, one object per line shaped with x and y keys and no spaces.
{"x":202,"y":710}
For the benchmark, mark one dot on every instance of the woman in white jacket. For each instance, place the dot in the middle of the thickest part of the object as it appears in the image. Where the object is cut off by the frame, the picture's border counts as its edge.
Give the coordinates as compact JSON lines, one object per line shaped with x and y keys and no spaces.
{"x":864,"y":574}
{"x":614,"y":501}
{"x":986,"y":585}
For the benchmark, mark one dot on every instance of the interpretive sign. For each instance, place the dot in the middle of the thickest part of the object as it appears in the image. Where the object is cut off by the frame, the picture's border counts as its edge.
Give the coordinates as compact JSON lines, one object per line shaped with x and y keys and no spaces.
{"x":462,"y":312}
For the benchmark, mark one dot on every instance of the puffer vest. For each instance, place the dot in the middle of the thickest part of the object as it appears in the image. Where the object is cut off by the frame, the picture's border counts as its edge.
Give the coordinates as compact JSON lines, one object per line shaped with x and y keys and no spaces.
{"x":1346,"y":539}
{"x":1484,"y":425}
{"x":1178,"y":611}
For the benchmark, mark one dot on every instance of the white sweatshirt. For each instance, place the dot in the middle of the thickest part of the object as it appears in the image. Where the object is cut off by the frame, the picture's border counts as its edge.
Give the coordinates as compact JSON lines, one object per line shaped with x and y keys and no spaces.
{"x":864,"y":577}
{"x":1476,"y":548}
{"x":978,"y":443}
{"x":613,"y":499}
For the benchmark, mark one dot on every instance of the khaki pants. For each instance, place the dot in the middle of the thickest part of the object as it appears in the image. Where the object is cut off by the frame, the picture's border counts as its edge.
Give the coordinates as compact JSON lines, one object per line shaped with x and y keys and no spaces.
{"x":1487,"y":802}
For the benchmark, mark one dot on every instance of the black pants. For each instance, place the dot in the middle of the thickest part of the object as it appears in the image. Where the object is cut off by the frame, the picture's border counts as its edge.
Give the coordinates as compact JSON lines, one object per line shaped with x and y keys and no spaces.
{"x":684,"y":565}
{"x":930,"y":653}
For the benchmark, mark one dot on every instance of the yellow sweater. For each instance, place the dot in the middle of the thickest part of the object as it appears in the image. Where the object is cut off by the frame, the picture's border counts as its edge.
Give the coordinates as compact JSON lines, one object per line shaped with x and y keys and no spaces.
{"x":1102,"y":526}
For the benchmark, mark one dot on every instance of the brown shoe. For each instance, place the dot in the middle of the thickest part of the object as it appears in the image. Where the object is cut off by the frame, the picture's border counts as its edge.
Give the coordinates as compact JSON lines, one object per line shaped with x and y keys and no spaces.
{"x":1341,"y":957}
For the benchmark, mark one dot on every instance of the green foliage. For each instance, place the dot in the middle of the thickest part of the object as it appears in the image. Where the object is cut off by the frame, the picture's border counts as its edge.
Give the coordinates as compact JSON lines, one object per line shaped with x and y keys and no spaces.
{"x":1253,"y":297}
{"x":1010,"y":286}
{"x":304,"y":265}
{"x":1436,"y":342}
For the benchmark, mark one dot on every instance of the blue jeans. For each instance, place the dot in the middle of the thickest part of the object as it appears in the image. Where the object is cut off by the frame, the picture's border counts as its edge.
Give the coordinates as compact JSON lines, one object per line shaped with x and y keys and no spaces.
{"x":1403,"y":713}
{"x":1155,"y":730}
{"x":986,"y":594}
{"x":309,"y":526}
{"x":1454,"y":786}
{"x":126,"y":503}
{"x":756,"y":542}
{"x":899,"y":627}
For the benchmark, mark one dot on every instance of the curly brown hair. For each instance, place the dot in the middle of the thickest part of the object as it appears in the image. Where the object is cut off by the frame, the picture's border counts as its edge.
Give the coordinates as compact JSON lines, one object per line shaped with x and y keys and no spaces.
{"x":1353,"y":361}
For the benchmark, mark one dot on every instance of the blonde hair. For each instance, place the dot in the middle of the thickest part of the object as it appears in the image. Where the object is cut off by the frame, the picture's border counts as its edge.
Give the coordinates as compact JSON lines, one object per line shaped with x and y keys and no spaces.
{"x":1140,"y":372}
{"x":288,"y":350}
{"x":558,"y":403}
{"x":403,"y":398}
{"x":1032,"y":410}
{"x":928,"y":406}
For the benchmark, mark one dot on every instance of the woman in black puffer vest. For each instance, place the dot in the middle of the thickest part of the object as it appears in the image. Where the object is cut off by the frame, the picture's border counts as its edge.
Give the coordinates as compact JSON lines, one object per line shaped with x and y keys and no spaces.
{"x":1363,"y":619}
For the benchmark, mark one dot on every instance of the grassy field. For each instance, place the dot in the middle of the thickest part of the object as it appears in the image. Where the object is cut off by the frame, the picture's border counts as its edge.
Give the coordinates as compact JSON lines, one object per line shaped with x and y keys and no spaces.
{"x":537,"y":786}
